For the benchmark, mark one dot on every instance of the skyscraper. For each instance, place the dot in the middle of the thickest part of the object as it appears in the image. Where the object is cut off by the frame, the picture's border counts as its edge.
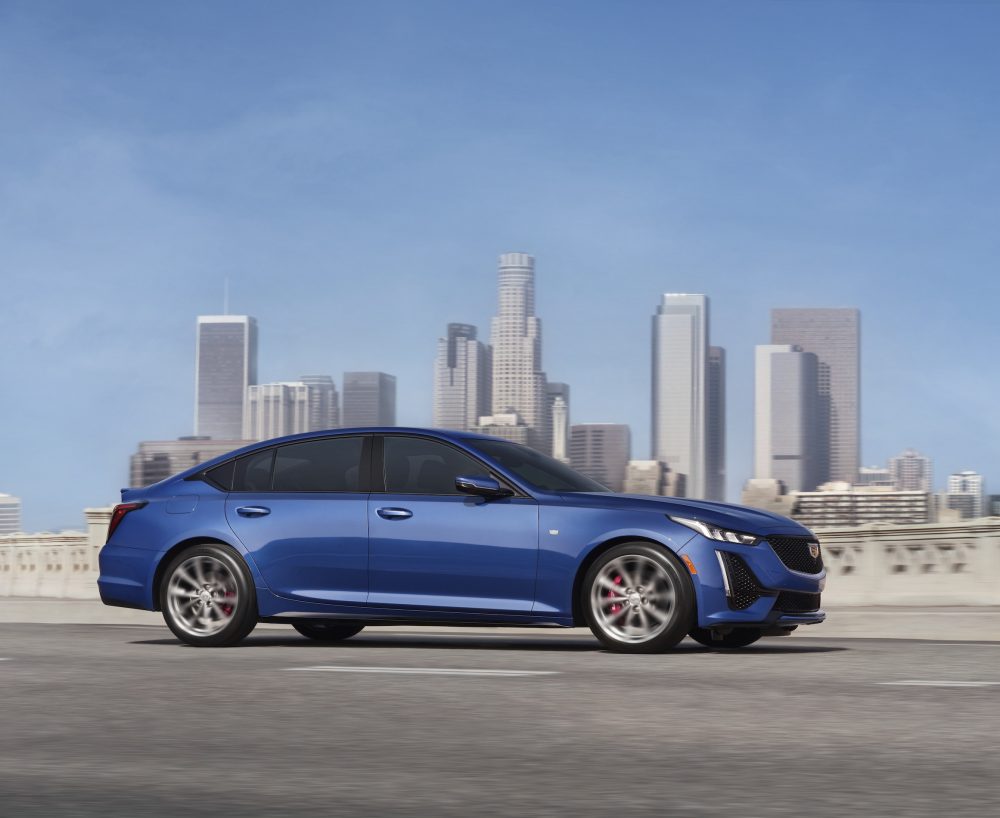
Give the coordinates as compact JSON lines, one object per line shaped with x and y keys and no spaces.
{"x":10,"y":514}
{"x":516,"y":337}
{"x":461,"y":379}
{"x":324,"y":402}
{"x":225,"y":365}
{"x":715,"y":426}
{"x":833,"y":335}
{"x":911,"y":471}
{"x":558,"y":399}
{"x":601,"y":451}
{"x":276,"y":410}
{"x":369,"y":399}
{"x":679,"y":388}
{"x":787,"y":440}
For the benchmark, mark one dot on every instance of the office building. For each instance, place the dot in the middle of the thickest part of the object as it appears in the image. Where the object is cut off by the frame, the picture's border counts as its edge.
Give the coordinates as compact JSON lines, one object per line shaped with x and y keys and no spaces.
{"x":966,"y":494}
{"x":715,"y":425}
{"x":156,"y":460}
{"x":462,"y":387}
{"x":912,"y":471}
{"x":679,"y":398}
{"x":787,"y":442}
{"x":369,"y":399}
{"x":10,"y":515}
{"x":507,"y":426}
{"x":277,"y":409}
{"x":516,"y":337}
{"x":876,"y":476}
{"x":833,"y":336}
{"x":324,"y":402}
{"x":840,"y":504}
{"x":601,"y":451}
{"x":558,"y":398}
{"x":993,"y":505}
{"x":651,"y":477}
{"x":225,"y":365}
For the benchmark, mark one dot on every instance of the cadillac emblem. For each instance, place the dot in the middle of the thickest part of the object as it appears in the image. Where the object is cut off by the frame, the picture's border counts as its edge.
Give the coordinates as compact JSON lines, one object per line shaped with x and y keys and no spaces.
{"x":814,"y":549}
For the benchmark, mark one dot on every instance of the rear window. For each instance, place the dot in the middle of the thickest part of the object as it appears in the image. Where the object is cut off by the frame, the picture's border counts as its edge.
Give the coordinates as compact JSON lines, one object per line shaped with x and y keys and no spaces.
{"x":331,"y":464}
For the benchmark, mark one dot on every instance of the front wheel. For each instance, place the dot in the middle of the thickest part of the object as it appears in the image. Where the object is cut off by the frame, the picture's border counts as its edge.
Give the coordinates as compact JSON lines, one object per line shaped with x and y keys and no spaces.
{"x":638,"y":599}
{"x":327,"y":631}
{"x":207,"y":597}
{"x":736,"y":638}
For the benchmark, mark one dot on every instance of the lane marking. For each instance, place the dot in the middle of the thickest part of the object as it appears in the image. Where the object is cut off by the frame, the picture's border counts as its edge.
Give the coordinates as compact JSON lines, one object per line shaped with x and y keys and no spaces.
{"x":938,"y":683}
{"x":425,"y":671}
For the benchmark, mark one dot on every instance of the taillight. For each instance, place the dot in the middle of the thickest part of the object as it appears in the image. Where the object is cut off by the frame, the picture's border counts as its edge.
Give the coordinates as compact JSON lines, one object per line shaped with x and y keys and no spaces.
{"x":119,"y":514}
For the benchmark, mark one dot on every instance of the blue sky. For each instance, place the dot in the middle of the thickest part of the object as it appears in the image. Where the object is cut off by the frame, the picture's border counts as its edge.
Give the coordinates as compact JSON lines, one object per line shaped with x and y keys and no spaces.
{"x":355,"y":168}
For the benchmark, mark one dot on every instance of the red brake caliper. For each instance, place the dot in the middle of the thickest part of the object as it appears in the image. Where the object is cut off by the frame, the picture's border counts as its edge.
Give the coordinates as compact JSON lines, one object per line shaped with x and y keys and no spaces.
{"x":616,"y":607}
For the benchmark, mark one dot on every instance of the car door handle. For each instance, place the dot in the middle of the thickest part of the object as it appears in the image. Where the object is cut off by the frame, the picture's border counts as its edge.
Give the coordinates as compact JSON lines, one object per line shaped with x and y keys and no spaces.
{"x":253,"y":511}
{"x":394,"y":513}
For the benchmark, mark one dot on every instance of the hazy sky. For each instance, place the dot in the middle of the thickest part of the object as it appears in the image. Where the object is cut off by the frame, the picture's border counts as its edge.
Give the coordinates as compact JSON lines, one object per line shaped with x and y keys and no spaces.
{"x":355,"y":169}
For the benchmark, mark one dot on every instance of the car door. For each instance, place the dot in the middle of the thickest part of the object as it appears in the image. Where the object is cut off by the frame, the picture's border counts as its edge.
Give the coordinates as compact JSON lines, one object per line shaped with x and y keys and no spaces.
{"x":432,"y":547}
{"x":302,"y":511}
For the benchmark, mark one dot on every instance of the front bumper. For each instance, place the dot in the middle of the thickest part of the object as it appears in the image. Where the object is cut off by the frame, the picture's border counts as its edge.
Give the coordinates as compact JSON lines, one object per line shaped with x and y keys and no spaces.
{"x":773,"y":595}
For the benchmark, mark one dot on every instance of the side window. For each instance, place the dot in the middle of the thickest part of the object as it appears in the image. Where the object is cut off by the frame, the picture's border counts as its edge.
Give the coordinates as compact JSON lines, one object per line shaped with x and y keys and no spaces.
{"x":331,"y":464}
{"x":222,"y":476}
{"x":253,"y":472}
{"x":415,"y":465}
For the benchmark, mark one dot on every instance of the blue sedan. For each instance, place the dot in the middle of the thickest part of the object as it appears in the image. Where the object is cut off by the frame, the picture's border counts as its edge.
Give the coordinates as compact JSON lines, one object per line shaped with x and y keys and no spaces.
{"x":333,"y":531}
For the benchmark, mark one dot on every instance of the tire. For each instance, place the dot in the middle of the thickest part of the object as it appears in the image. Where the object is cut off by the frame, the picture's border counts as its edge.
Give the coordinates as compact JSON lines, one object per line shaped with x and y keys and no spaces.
{"x":194,"y":592}
{"x":736,"y":638}
{"x":327,"y":631}
{"x":653,"y":611}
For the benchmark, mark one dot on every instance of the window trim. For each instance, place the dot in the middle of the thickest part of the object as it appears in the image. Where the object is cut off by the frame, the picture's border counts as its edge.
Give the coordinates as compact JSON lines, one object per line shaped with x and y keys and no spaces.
{"x":377,"y":485}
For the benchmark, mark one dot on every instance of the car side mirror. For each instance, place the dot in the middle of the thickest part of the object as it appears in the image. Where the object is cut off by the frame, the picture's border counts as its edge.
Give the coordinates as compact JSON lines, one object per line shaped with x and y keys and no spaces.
{"x":482,"y":486}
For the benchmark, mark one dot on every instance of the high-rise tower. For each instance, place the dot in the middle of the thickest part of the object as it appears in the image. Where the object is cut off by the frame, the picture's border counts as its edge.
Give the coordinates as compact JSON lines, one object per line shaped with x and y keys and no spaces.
{"x":518,"y":378}
{"x":225,"y":365}
{"x":461,"y":379}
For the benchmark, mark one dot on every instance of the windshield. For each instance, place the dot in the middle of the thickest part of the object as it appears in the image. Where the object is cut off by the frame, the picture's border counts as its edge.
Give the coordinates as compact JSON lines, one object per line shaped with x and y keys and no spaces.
{"x":534,"y":468}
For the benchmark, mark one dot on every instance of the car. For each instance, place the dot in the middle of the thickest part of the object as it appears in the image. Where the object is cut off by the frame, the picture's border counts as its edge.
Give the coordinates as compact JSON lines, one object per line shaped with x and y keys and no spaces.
{"x":334,"y":531}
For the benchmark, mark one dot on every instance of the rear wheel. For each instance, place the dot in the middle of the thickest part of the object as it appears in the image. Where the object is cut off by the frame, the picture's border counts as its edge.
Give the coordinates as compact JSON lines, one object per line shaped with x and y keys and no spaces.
{"x":327,"y":631}
{"x":736,"y":638}
{"x":638,"y":599}
{"x":207,"y":597}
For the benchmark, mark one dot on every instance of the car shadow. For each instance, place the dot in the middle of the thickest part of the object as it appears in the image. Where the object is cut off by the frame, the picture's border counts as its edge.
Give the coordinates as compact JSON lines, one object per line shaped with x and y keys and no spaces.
{"x":554,"y":644}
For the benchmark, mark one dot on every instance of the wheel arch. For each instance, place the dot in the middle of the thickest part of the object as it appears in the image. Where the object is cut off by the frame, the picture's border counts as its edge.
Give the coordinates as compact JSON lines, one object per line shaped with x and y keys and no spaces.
{"x":167,"y":557}
{"x":595,"y":553}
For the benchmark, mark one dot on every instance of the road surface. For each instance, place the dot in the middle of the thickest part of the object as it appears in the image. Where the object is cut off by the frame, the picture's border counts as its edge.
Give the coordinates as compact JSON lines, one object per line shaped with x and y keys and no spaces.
{"x":125,"y":721}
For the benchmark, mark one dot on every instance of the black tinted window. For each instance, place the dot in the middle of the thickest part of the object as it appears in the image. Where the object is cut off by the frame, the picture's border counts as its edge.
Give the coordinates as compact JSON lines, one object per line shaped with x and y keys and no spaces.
{"x":332,"y":464}
{"x":415,"y":465}
{"x":253,"y":472}
{"x":533,"y":467}
{"x":222,"y":476}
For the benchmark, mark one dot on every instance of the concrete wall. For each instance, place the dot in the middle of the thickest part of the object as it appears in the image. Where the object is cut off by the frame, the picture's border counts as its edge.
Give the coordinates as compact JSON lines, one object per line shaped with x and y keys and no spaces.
{"x":913,"y":565}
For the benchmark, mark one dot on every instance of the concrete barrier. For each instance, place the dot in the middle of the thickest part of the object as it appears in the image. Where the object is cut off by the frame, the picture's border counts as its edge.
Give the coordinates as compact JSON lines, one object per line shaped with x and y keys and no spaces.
{"x":943,"y":564}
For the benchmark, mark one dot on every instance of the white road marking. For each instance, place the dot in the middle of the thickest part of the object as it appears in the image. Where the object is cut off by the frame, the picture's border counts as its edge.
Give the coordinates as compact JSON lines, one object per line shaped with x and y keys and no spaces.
{"x":425,"y":671}
{"x":938,"y":683}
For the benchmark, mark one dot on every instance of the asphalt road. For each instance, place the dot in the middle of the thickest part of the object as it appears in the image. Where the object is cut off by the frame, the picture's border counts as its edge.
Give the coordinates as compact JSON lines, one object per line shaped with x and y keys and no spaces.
{"x":124,"y":721}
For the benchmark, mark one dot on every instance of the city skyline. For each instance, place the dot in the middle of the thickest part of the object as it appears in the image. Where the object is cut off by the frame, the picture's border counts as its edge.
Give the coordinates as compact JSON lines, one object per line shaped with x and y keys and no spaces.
{"x":773,"y":156}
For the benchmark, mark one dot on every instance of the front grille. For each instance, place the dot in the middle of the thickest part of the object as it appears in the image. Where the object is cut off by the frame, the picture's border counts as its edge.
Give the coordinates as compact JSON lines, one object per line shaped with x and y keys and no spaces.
{"x":794,"y":553}
{"x":743,"y":586}
{"x":797,"y":602}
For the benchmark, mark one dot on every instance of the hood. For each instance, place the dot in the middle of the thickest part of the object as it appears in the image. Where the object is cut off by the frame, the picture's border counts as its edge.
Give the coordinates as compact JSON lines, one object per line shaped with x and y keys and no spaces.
{"x":724,"y":515}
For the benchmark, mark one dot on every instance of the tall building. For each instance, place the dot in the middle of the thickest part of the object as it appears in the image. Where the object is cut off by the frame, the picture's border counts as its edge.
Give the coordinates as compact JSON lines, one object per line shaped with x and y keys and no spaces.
{"x":516,"y":338}
{"x":156,"y":460}
{"x":461,"y":379}
{"x":966,"y":494}
{"x":912,"y":471}
{"x":324,"y":402}
{"x":787,"y":441}
{"x":833,"y":335}
{"x":679,"y":389}
{"x":601,"y":451}
{"x":558,"y":398}
{"x":369,"y":399}
{"x":276,"y":410}
{"x":651,"y":477}
{"x":715,"y":425}
{"x":225,"y":365}
{"x":10,"y":514}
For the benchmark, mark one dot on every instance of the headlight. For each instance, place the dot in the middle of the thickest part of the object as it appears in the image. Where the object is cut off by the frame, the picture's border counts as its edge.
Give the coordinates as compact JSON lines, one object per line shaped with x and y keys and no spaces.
{"x":716,"y":533}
